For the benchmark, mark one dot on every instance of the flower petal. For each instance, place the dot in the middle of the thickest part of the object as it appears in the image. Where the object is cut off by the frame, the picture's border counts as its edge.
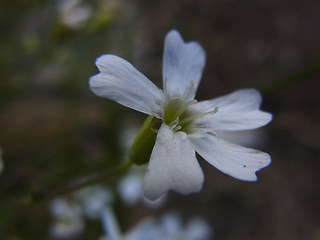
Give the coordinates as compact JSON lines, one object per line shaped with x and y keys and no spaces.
{"x":232,"y":159}
{"x":236,"y":111}
{"x":173,"y":165}
{"x":123,"y":83}
{"x":182,"y":64}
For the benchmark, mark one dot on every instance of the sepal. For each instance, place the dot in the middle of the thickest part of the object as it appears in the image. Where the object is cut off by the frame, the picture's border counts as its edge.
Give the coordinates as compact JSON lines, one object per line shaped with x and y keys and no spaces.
{"x":141,"y":148}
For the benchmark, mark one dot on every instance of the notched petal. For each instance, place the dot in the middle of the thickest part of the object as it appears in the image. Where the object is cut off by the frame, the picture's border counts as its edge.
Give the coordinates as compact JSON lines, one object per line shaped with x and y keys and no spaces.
{"x":183,"y":64}
{"x":173,"y":166}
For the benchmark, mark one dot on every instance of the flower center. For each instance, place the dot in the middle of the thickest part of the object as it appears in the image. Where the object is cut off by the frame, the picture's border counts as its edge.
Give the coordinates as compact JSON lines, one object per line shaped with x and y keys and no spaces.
{"x":179,"y":117}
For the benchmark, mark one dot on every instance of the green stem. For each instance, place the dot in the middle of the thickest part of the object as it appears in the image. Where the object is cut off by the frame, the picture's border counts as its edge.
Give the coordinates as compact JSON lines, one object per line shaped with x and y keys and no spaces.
{"x":42,"y":196}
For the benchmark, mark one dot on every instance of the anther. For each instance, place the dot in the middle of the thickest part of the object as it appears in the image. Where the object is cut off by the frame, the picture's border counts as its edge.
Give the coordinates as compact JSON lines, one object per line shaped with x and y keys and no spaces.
{"x":192,"y":102}
{"x":177,"y":128}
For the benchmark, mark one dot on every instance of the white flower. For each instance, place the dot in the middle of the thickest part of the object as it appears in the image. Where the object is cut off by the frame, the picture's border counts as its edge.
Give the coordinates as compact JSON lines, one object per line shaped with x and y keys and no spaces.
{"x":187,"y":126}
{"x":68,"y":221}
{"x":170,"y":228}
{"x":69,"y":213}
{"x":130,"y":189}
{"x":72,"y":13}
{"x":93,"y":200}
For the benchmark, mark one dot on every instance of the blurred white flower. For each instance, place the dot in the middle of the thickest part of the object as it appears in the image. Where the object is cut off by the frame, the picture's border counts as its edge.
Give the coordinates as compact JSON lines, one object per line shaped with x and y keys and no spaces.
{"x":72,"y":13}
{"x":187,"y":126}
{"x":169,"y":227}
{"x":130,"y":189}
{"x":69,"y":213}
{"x":68,"y":221}
{"x":110,"y":225}
{"x":95,"y":203}
{"x":196,"y":229}
{"x":93,"y":200}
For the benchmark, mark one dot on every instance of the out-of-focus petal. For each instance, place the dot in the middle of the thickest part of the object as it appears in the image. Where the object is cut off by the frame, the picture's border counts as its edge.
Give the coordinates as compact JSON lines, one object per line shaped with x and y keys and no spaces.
{"x":68,"y":221}
{"x":182,"y":64}
{"x":198,"y":229}
{"x":146,"y":230}
{"x":109,"y":223}
{"x":123,"y":83}
{"x":94,"y":200}
{"x":173,"y":165}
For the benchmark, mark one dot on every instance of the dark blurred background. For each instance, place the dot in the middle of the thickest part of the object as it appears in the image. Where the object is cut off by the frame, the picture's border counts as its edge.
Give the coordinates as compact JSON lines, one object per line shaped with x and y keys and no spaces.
{"x":54,"y":130}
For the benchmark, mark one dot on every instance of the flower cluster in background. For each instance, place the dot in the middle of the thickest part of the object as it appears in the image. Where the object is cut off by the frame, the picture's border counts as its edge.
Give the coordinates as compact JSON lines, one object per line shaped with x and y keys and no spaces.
{"x":168,"y":227}
{"x":96,"y":203}
{"x":69,"y":214}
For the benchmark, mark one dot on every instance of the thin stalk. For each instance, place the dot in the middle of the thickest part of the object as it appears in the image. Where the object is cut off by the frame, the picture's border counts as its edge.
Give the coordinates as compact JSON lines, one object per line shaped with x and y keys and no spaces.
{"x":99,"y":178}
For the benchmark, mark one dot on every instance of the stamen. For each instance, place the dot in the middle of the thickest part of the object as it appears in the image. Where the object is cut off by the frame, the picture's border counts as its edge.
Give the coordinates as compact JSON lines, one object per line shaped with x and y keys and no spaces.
{"x":177,"y":128}
{"x":192,"y":102}
{"x":189,"y":90}
{"x":174,"y":123}
{"x":199,"y":115}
